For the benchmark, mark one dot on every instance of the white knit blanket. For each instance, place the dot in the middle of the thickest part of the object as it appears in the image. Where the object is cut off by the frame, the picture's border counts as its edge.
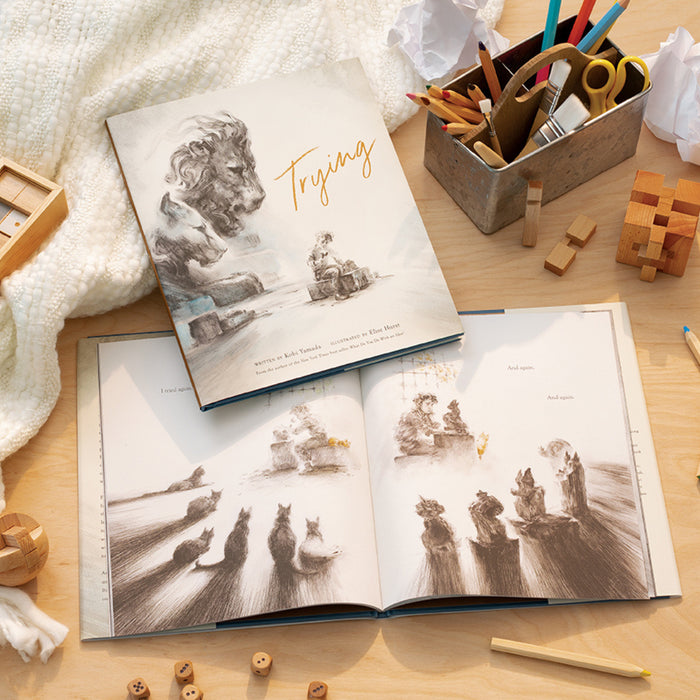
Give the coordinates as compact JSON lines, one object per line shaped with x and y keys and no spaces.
{"x":68,"y":64}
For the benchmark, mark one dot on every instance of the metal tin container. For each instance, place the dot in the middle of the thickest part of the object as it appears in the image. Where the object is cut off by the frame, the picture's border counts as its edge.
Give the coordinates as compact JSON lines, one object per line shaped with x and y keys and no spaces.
{"x":495,"y":197}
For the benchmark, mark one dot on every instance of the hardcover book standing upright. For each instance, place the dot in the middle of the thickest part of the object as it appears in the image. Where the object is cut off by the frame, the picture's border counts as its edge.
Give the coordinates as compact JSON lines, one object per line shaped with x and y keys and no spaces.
{"x":282,"y":231}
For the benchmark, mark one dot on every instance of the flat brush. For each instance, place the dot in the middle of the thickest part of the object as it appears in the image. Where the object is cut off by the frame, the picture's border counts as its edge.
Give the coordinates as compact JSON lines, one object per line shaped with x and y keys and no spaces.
{"x":566,"y":118}
{"x":555,"y":84}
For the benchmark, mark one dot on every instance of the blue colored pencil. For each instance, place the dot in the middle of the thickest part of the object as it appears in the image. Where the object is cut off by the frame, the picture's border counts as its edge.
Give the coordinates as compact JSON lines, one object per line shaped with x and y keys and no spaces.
{"x":550,"y":30}
{"x":602,"y":26}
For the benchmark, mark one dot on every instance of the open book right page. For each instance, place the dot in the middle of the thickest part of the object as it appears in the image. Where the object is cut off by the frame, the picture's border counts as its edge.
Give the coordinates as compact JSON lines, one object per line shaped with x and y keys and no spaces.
{"x":503,"y":465}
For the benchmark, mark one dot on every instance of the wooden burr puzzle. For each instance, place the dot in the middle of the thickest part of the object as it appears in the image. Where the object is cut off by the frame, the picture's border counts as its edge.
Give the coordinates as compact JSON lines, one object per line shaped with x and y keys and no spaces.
{"x":659,"y":227}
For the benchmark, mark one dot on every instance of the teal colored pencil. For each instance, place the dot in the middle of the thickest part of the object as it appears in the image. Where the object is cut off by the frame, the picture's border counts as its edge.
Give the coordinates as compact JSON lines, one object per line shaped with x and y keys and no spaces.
{"x":550,"y":30}
{"x":602,"y":26}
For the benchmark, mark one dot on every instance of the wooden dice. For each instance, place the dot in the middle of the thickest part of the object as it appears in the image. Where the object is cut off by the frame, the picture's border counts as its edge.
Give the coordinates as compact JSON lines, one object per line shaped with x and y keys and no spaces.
{"x":184,"y":672}
{"x":261,"y":663}
{"x":317,"y":689}
{"x":191,"y":692}
{"x":138,"y":689}
{"x":24,"y":548}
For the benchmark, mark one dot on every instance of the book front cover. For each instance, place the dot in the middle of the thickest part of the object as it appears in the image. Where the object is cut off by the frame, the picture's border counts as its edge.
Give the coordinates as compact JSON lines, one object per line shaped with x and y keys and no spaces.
{"x":282,"y":230}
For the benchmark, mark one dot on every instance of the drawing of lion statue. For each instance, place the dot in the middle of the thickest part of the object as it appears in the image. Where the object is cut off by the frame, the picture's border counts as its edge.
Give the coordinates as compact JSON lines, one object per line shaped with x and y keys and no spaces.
{"x":214,"y":173}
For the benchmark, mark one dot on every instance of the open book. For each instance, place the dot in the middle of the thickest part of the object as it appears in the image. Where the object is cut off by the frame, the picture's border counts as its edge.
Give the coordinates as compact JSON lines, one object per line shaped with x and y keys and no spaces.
{"x":282,"y":231}
{"x":514,"y":466}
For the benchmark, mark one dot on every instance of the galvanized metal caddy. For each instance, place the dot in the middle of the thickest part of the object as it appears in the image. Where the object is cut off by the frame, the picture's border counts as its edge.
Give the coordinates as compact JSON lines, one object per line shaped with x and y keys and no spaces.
{"x":495,"y":197}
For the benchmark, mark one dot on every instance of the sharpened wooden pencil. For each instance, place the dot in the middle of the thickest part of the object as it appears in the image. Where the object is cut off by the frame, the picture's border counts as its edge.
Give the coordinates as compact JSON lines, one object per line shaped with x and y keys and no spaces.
{"x":457,"y":129}
{"x":437,"y":107}
{"x":570,"y":658}
{"x":489,"y":72}
{"x":458,"y":98}
{"x":476,"y":94}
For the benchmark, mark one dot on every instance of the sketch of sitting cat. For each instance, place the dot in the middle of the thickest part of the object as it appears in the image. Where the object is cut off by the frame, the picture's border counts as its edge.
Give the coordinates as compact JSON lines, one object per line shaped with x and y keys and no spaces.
{"x":193,"y":481}
{"x":236,"y":545}
{"x":282,"y":541}
{"x":202,"y":506}
{"x":315,"y":555}
{"x":190,"y":550}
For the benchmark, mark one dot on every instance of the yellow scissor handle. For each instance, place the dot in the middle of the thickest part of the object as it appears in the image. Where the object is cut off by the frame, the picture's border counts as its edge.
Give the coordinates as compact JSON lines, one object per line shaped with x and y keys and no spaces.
{"x":622,"y":77}
{"x":598,"y":79}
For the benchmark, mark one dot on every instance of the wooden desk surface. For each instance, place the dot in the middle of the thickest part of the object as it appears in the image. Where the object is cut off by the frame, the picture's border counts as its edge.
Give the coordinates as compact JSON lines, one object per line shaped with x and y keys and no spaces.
{"x":443,"y":656}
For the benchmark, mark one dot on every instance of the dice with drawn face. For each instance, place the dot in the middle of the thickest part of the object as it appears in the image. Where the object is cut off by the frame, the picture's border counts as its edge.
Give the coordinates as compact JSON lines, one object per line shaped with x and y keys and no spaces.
{"x":138,"y":689}
{"x":261,"y":663}
{"x":184,"y":672}
{"x":191,"y":692}
{"x":317,"y":689}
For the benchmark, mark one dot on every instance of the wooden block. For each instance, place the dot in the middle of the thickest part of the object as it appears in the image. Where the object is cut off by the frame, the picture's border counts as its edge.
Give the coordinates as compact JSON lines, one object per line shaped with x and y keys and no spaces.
{"x":11,"y":184}
{"x":647,"y":188}
{"x":184,"y":671}
{"x":30,"y":198}
{"x":317,"y":689}
{"x":531,"y":224}
{"x":654,"y":250}
{"x":138,"y":689}
{"x":636,"y":229}
{"x":581,"y":230}
{"x":3,"y":239}
{"x":663,"y":208}
{"x":261,"y":663}
{"x":687,"y":197}
{"x":191,"y":692}
{"x":559,"y":260}
{"x":648,"y":273}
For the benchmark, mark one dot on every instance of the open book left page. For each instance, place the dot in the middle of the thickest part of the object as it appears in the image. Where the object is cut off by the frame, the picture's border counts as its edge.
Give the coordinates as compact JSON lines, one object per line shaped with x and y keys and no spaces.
{"x":282,"y":231}
{"x":255,"y":508}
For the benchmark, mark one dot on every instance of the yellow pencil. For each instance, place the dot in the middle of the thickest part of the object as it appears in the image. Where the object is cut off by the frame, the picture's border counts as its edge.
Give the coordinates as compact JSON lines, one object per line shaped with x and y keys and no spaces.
{"x":437,"y":107}
{"x":570,"y":658}
{"x":459,"y":99}
{"x":457,"y":129}
{"x":693,"y":342}
{"x":489,"y":72}
{"x":476,"y":94}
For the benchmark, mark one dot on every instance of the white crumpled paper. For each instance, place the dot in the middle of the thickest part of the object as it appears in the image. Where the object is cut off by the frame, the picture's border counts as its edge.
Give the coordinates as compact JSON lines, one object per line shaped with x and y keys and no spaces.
{"x":673,"y":107}
{"x":440,"y":36}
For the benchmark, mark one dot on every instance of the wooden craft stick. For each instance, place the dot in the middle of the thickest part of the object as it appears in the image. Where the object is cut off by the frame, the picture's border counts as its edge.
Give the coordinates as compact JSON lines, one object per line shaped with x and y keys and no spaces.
{"x":570,"y":658}
{"x":489,"y":72}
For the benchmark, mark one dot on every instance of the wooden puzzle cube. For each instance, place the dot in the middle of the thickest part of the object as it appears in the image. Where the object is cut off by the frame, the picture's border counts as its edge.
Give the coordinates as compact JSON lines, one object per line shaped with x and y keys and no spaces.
{"x":24,"y":549}
{"x":659,"y":226}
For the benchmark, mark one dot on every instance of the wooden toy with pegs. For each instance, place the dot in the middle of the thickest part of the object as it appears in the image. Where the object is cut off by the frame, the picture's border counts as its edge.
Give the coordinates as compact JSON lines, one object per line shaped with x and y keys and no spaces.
{"x":31,"y":207}
{"x":24,"y":548}
{"x":659,"y":226}
{"x":578,"y":233}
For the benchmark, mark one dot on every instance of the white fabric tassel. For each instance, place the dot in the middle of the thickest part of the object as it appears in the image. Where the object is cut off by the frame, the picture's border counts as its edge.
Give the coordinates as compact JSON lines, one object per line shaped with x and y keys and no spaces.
{"x":25,"y":627}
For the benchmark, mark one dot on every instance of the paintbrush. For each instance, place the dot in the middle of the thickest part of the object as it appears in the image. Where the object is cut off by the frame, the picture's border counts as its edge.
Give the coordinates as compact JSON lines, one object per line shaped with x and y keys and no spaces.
{"x":485,"y":107}
{"x":555,"y":84}
{"x":566,"y":118}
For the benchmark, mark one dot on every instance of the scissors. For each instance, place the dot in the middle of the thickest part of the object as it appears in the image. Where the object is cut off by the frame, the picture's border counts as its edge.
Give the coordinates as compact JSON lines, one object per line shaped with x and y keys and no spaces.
{"x":603,"y":83}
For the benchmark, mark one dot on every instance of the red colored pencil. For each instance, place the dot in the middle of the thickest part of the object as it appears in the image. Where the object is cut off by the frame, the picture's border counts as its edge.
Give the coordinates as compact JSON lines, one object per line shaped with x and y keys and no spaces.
{"x":580,"y":23}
